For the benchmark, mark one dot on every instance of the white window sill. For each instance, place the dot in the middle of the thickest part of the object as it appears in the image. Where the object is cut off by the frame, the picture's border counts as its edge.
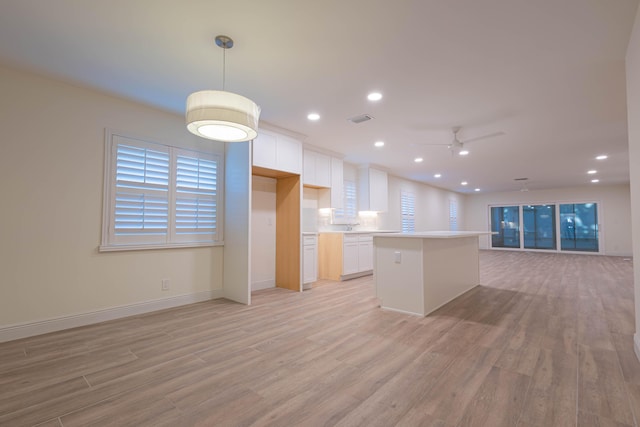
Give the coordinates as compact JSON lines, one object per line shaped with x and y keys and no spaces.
{"x":117,"y":248}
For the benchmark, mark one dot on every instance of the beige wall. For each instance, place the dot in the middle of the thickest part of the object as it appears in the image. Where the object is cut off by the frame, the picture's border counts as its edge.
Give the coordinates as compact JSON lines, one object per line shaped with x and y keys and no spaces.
{"x":51,"y":165}
{"x":633,"y":111}
{"x":614,"y":211}
{"x":432,"y":206}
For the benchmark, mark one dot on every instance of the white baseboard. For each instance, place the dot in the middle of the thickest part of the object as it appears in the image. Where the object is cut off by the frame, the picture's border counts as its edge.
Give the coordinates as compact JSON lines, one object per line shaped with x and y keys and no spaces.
{"x":264,"y":284}
{"x":636,"y":344}
{"x":29,"y":329}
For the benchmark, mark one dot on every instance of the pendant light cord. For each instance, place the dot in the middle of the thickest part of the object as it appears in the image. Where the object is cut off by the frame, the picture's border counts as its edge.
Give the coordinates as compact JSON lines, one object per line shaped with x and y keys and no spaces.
{"x":224,"y":67}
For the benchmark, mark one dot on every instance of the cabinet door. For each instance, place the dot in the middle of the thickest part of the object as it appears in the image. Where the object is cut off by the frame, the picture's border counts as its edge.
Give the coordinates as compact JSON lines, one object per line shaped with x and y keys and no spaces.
{"x":264,"y":150}
{"x":309,"y":168}
{"x":310,"y":263}
{"x":378,"y":191}
{"x":365,"y":256}
{"x":337,"y":183}
{"x":289,"y":155}
{"x":350,"y":258}
{"x":323,"y":170}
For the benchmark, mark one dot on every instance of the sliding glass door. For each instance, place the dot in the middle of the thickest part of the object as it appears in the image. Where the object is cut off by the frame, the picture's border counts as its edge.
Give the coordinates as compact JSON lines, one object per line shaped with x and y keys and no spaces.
{"x":579,"y":227}
{"x":576,"y":230}
{"x":539,"y":226}
{"x":505,"y":221}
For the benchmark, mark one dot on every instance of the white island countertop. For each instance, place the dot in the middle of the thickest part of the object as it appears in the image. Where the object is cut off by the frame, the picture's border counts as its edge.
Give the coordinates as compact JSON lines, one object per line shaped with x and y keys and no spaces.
{"x":435,"y":234}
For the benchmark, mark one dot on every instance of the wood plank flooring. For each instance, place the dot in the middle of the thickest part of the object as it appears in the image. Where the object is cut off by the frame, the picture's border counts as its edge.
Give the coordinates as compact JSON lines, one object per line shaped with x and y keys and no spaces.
{"x":546,"y":340}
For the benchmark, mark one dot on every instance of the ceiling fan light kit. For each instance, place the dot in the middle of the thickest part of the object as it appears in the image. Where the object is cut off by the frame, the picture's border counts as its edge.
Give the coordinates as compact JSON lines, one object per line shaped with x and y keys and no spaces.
{"x":220,"y":115}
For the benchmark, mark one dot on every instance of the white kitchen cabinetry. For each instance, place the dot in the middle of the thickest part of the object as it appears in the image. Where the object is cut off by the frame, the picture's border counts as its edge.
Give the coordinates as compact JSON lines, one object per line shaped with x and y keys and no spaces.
{"x":373,"y":190}
{"x":277,"y":152}
{"x":333,"y":197}
{"x":350,"y":252}
{"x":317,"y":169}
{"x":345,"y":256}
{"x":365,"y":252}
{"x":309,"y":260}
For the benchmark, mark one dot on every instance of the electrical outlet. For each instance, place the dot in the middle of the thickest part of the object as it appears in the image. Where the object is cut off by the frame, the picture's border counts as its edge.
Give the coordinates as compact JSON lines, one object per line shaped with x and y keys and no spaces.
{"x":165,"y":284}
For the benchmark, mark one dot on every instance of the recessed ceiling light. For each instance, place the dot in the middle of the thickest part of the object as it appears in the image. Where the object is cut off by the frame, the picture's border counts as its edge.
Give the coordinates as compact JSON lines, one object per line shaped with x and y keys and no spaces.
{"x":592,"y":171}
{"x":477,"y":189}
{"x":602,"y":157}
{"x":438,"y":175}
{"x":464,"y":183}
{"x":463,"y":152}
{"x":313,"y":116}
{"x":418,"y":159}
{"x":374,"y":96}
{"x":595,"y":180}
{"x":379,"y":144}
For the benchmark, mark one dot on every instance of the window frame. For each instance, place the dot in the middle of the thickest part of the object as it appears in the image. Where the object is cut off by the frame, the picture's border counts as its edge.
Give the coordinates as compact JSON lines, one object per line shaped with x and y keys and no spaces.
{"x":170,"y":238}
{"x":408,"y":216}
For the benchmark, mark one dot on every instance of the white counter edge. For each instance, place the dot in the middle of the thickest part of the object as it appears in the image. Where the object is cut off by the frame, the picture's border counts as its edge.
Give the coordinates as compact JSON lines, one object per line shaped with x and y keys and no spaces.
{"x":435,"y":234}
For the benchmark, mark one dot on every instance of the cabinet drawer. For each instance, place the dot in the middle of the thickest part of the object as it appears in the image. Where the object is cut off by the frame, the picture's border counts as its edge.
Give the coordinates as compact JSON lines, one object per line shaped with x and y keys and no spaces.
{"x":365,"y":238}
{"x":309,"y":240}
{"x":350,"y":238}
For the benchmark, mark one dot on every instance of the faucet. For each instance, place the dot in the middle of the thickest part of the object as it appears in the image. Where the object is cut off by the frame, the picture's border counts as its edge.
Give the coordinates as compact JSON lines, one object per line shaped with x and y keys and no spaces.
{"x":350,"y":226}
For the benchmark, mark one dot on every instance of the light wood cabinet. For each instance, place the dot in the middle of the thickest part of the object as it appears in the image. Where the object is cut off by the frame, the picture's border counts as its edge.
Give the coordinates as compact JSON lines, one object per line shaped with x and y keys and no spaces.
{"x":344,"y":256}
{"x":277,"y":152}
{"x":373,"y":195}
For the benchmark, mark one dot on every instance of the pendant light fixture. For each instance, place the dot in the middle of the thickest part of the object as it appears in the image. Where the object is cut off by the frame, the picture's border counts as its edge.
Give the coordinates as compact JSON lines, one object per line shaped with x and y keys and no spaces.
{"x":221,"y":115}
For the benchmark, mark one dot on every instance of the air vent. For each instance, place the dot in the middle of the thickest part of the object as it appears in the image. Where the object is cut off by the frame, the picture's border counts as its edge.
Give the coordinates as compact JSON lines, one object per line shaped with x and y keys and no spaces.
{"x":361,"y":118}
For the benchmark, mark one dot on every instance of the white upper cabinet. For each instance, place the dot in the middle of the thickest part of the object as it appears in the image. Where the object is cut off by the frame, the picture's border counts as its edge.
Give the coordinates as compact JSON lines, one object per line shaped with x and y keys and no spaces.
{"x":332,"y":197}
{"x":337,"y":183}
{"x":374,"y":193}
{"x":277,"y":152}
{"x":317,"y":169}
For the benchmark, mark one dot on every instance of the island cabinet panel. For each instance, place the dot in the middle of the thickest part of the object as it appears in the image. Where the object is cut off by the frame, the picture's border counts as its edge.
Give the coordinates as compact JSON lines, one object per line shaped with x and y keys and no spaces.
{"x":419,"y":272}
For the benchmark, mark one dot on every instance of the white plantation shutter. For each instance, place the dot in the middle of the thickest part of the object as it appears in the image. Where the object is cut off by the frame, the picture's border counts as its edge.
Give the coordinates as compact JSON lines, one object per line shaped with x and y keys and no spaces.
{"x":350,"y":211}
{"x":141,"y":208}
{"x":408,"y":211}
{"x":453,"y":215}
{"x":159,"y":196}
{"x":196,"y":198}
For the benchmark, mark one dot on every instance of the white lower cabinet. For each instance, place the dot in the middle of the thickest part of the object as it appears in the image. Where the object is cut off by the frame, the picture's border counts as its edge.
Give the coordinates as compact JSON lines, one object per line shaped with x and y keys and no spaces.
{"x":365,"y":252}
{"x":345,"y":256}
{"x":309,"y":260}
{"x":350,"y":255}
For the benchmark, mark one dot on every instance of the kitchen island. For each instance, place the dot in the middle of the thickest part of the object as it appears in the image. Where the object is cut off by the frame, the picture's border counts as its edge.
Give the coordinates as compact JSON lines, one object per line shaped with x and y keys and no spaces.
{"x":416,"y":273}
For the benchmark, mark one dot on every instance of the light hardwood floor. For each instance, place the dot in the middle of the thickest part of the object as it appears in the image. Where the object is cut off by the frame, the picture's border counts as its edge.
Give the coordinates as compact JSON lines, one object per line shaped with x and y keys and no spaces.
{"x":546,"y":340}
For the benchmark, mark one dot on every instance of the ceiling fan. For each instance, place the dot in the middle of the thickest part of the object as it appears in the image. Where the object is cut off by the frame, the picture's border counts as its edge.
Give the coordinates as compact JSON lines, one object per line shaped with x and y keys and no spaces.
{"x":457,"y":147}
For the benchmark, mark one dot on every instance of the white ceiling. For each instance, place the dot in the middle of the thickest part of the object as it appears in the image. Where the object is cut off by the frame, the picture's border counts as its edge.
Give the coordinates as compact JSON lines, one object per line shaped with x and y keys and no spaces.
{"x":548,"y":73}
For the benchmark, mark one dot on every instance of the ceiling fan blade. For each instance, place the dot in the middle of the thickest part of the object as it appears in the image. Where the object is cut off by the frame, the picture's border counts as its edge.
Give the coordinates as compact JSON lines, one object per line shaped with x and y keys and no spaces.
{"x":430,"y":143}
{"x":490,"y":135}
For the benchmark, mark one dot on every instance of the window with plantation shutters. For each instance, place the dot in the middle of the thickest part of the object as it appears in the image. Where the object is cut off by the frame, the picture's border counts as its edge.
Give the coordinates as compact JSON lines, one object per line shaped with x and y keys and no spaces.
{"x":453,"y":215}
{"x":196,"y":206}
{"x":408,"y":211}
{"x":350,"y":211}
{"x":141,"y":199}
{"x":159,"y":196}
